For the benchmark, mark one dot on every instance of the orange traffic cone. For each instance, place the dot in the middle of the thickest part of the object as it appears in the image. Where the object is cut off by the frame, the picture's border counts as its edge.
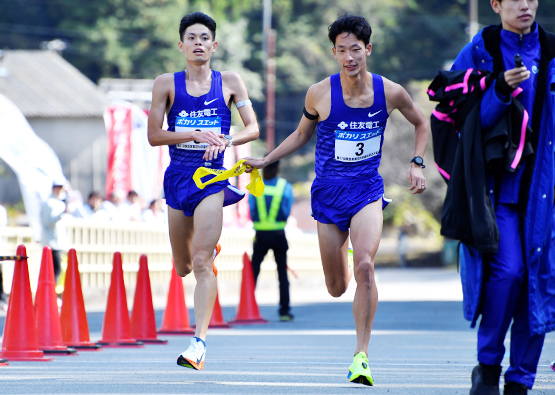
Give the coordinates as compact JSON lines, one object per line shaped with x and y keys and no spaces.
{"x":217,"y":319}
{"x":143,"y":323}
{"x":176,"y":316}
{"x":75,"y":328}
{"x":247,"y":312}
{"x":20,"y":334}
{"x":47,"y":317}
{"x":116,"y":328}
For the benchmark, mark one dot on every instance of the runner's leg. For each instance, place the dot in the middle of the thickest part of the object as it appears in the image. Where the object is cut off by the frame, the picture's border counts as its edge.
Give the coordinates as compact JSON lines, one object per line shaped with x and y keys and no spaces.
{"x":208,"y":228}
{"x":333,"y":252}
{"x":366,"y":231}
{"x":181,"y":235}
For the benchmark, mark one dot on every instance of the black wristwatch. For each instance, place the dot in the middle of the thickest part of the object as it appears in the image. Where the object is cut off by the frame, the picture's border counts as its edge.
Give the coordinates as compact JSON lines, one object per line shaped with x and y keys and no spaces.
{"x":417,"y":160}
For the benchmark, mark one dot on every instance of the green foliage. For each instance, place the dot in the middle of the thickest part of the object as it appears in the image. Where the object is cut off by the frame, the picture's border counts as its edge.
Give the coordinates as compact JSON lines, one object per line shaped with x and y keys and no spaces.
{"x":132,"y":39}
{"x":411,"y":40}
{"x":137,"y":38}
{"x":224,"y":10}
{"x":234,"y":50}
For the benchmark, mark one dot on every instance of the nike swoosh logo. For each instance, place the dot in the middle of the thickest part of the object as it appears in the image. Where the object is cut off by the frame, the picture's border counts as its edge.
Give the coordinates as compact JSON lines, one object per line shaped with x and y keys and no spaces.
{"x":370,"y":115}
{"x":208,"y":102}
{"x":199,"y":360}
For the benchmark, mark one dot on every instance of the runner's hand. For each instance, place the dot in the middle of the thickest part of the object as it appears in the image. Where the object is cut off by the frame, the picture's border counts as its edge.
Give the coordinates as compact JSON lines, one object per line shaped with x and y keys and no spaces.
{"x":212,"y":152}
{"x":253,"y":163}
{"x":215,"y":144}
{"x":208,"y":137}
{"x":416,"y":179}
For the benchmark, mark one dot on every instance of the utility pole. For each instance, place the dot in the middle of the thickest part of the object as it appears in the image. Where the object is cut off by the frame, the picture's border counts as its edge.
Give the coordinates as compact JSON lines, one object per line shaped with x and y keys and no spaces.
{"x":269,"y":48}
{"x":473,"y":26}
{"x":271,"y":92}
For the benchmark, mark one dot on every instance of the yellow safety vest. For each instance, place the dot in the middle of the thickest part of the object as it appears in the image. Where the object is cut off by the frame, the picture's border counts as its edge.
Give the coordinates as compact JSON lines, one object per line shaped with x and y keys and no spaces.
{"x":267,"y":218}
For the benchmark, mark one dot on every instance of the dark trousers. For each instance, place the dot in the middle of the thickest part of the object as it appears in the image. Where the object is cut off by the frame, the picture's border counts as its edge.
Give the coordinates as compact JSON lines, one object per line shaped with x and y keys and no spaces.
{"x":273,"y":240}
{"x":57,"y":261}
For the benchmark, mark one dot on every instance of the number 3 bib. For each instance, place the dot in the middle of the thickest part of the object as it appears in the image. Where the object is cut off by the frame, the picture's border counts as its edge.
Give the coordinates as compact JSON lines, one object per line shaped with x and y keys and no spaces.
{"x":356,"y":146}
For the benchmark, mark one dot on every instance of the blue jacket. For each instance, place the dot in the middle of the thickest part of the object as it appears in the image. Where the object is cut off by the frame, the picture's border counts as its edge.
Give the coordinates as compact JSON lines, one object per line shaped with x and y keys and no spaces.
{"x":536,"y":197}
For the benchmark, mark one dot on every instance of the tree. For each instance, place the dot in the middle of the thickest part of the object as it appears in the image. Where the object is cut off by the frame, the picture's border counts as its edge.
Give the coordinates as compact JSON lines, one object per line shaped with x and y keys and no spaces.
{"x":412,"y":39}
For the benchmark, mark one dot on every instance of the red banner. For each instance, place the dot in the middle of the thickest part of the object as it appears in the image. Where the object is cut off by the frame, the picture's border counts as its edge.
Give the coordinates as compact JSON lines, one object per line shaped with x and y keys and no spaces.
{"x":118,"y":125}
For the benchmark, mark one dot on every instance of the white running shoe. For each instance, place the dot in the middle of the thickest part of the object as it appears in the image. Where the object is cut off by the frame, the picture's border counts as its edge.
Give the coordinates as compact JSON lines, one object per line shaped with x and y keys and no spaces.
{"x":193,"y":357}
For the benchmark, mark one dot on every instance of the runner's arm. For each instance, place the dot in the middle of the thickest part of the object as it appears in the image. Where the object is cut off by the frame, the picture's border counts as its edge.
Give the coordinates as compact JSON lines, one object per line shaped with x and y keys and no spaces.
{"x":156,"y":134}
{"x":250,"y":130}
{"x":295,"y":140}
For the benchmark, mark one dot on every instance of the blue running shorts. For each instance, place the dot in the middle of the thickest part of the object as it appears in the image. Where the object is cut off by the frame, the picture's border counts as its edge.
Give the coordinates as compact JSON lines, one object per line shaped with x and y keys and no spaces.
{"x":182,"y":193}
{"x":337,"y":201}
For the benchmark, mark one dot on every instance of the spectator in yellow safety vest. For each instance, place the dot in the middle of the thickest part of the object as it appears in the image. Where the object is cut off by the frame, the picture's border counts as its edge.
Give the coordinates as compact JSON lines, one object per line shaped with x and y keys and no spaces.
{"x":269,"y":214}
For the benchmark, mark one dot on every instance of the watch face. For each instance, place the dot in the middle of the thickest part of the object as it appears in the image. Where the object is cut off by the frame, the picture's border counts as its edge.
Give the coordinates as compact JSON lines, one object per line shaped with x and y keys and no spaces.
{"x":227,"y":137}
{"x":418,"y":160}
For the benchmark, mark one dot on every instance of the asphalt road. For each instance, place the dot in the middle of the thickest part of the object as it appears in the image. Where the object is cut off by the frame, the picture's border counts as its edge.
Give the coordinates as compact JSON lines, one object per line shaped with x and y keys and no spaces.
{"x":417,"y":347}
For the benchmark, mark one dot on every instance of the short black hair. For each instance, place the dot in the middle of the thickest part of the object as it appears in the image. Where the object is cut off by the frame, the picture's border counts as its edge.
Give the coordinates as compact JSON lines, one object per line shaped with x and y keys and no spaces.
{"x":194,"y":18}
{"x":354,"y":24}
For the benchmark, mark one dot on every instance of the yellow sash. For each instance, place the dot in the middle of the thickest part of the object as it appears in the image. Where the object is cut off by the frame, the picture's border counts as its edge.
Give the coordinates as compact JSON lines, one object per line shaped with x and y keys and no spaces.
{"x":256,"y":186}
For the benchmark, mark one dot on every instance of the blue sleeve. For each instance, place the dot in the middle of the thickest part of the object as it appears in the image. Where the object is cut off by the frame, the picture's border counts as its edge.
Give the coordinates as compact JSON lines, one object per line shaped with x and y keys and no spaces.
{"x":464,"y":59}
{"x":287,"y":199}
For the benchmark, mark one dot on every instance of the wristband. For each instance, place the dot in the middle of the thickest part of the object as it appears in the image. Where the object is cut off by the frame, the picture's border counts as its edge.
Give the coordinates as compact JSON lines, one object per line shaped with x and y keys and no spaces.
{"x":243,"y":103}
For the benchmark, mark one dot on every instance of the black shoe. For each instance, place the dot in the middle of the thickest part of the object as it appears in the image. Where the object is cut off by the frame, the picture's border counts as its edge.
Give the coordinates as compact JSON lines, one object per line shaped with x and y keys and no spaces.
{"x":485,"y":380}
{"x":514,"y":388}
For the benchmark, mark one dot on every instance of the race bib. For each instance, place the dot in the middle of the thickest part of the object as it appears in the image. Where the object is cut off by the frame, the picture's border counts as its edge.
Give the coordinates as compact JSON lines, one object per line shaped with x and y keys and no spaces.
{"x":185,"y":124}
{"x":351,"y":146}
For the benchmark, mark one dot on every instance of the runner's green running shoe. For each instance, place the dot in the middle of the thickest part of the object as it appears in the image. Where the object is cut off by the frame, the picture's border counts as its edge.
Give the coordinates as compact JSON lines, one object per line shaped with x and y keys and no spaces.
{"x":359,"y":371}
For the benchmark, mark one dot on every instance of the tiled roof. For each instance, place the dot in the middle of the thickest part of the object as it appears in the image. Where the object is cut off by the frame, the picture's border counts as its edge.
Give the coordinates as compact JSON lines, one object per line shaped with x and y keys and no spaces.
{"x":43,"y":84}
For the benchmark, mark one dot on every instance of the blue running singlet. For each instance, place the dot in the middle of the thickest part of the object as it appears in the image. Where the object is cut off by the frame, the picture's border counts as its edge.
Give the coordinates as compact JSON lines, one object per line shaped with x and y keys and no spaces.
{"x":189,"y":113}
{"x":348,"y":153}
{"x":349,"y":144}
